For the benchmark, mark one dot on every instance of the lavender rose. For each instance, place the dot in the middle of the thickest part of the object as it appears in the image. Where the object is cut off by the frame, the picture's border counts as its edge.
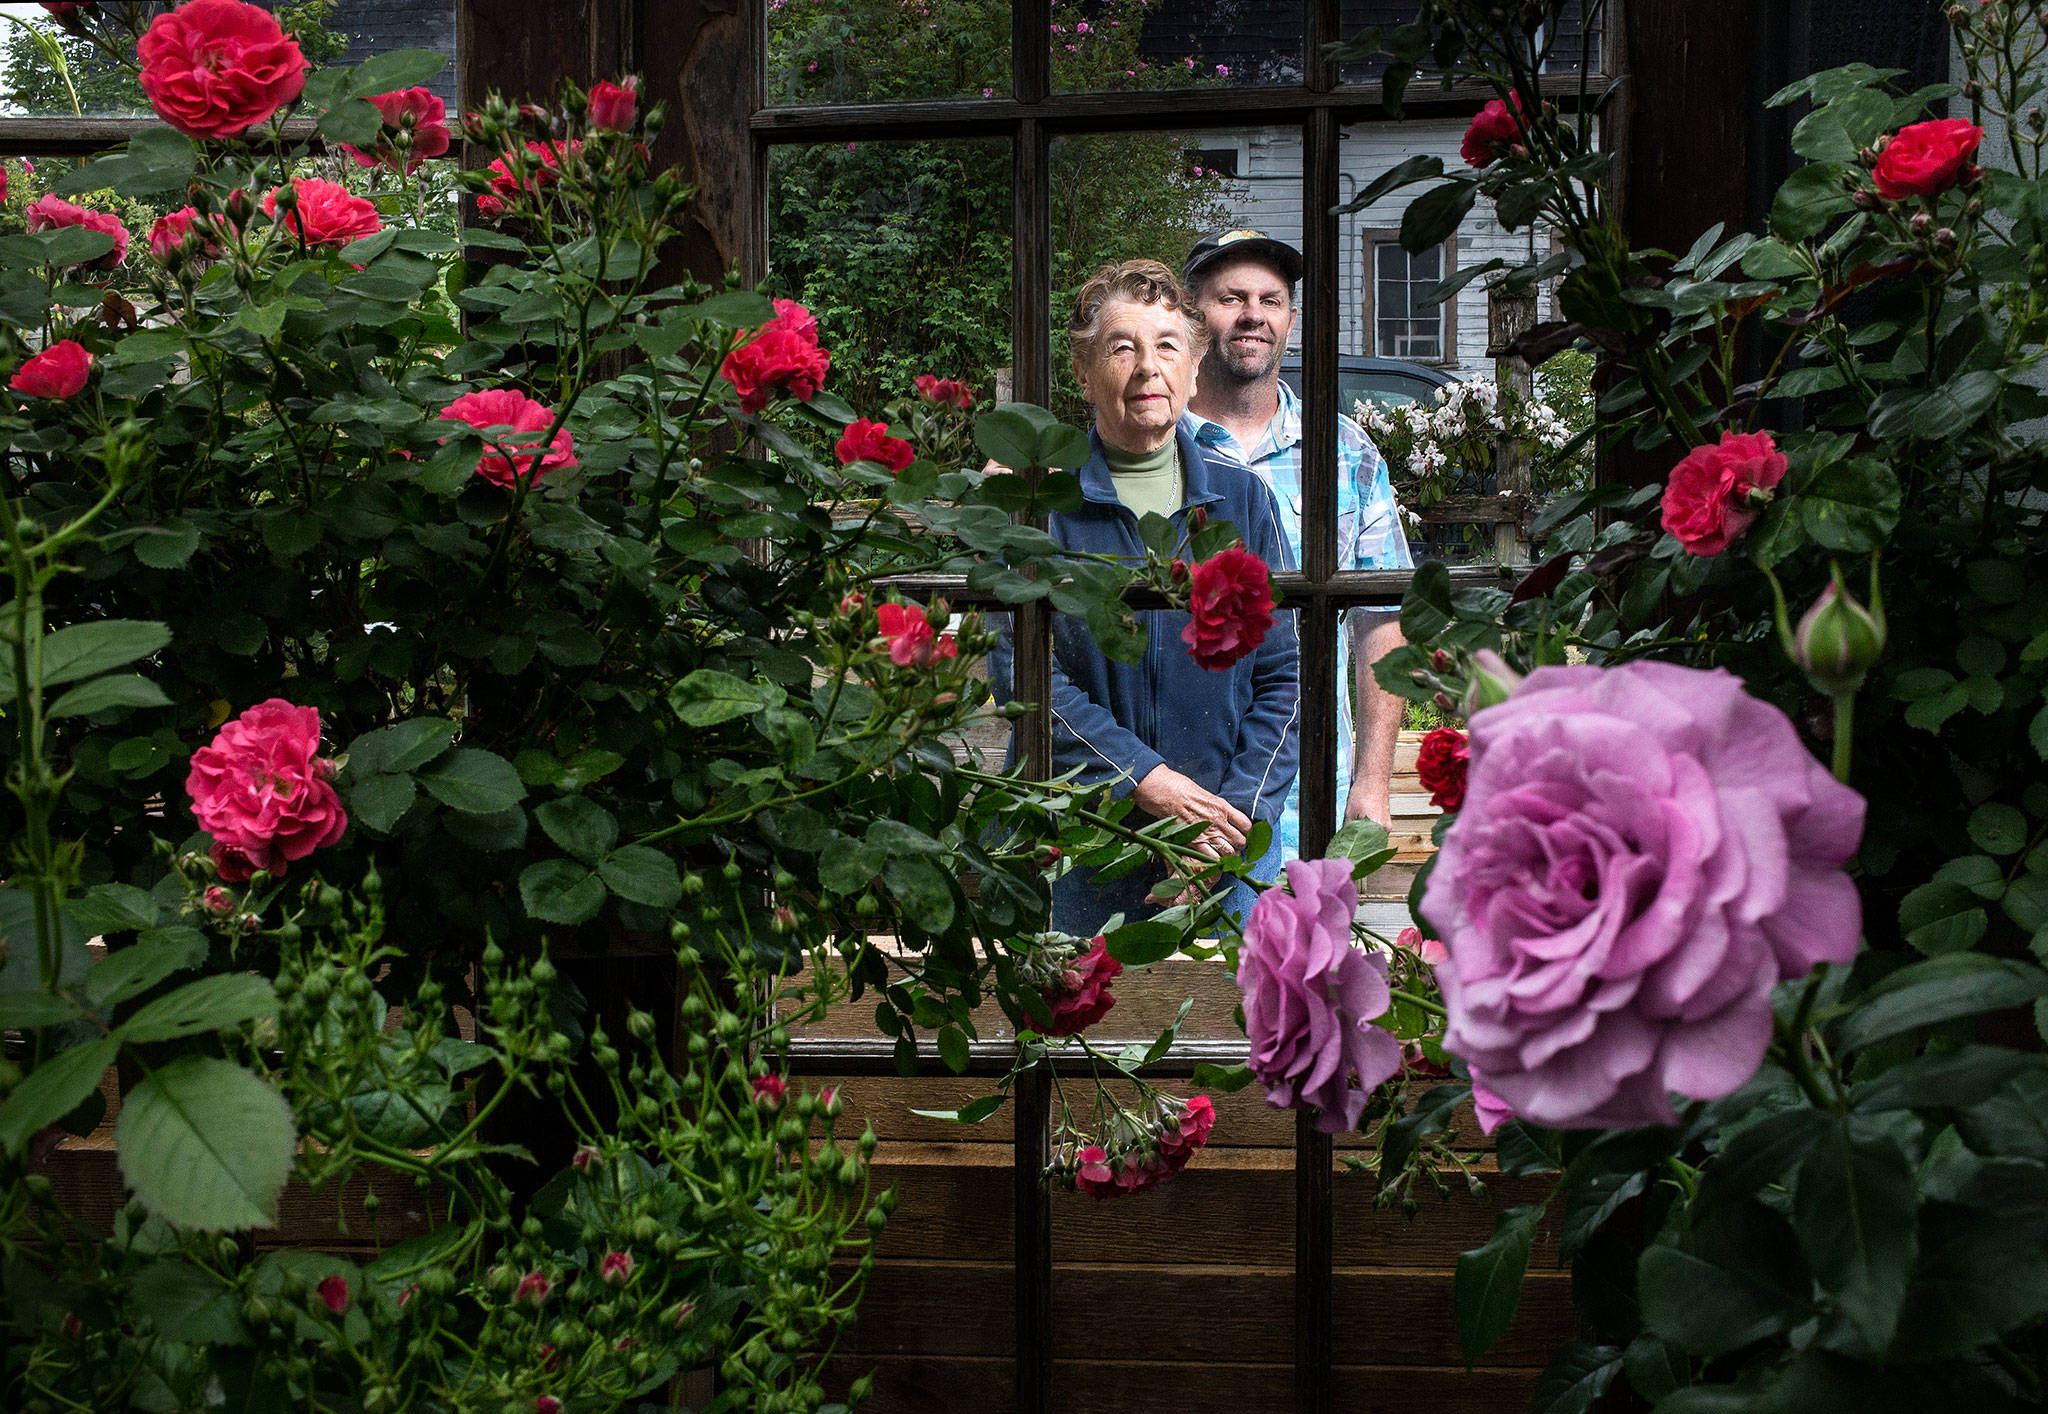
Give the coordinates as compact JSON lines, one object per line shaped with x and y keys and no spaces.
{"x":1644,"y":853}
{"x":1310,"y":996}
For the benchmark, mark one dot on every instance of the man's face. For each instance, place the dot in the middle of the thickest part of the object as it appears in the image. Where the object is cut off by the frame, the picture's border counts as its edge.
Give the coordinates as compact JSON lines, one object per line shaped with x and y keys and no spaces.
{"x":1250,"y":309}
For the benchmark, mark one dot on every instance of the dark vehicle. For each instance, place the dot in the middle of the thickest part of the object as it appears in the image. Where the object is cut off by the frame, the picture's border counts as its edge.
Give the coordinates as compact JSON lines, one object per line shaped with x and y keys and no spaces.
{"x":1390,"y":382}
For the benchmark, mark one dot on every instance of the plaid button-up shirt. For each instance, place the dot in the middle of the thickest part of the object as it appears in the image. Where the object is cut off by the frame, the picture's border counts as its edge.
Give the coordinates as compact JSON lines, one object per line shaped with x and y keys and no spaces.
{"x":1369,"y":537}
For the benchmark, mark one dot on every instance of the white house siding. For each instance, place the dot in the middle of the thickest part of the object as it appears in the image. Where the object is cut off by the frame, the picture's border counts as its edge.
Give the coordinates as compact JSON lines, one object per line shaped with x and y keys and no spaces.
{"x":1269,"y":172}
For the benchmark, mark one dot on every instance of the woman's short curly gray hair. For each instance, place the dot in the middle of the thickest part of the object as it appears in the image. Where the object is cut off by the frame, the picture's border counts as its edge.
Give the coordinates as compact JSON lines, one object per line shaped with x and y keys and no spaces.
{"x":1138,"y":281}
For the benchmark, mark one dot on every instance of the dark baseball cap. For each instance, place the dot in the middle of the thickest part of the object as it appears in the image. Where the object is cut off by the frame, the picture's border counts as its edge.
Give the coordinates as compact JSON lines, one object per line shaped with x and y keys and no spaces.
{"x":1233,"y":244}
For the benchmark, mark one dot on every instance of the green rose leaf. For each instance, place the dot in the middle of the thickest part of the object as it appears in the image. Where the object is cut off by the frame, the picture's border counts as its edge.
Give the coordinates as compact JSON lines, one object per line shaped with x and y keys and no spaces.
{"x":187,"y":1304}
{"x":106,"y":694}
{"x":209,"y":1004}
{"x":1575,"y":1378}
{"x":206,"y":1144}
{"x":1432,"y":217}
{"x":473,"y":781}
{"x":708,"y":697}
{"x":1856,"y":1209}
{"x":582,"y":827}
{"x":380,"y":802}
{"x":1734,"y":1276}
{"x":561,"y":891}
{"x":1941,"y":989}
{"x":1143,"y":943}
{"x":1488,"y":1287}
{"x":403,"y":746}
{"x":87,"y":650}
{"x":643,"y":875}
{"x":131,"y":971}
{"x":52,"y":1090}
{"x":1998,"y":829}
{"x":1942,"y":918}
{"x":953,"y":1049}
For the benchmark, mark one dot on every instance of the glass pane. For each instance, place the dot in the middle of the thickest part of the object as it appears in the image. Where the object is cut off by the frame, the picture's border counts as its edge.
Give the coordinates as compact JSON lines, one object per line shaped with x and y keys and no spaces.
{"x":902,"y":251}
{"x":49,"y":69}
{"x":874,"y":51}
{"x":1104,"y":46}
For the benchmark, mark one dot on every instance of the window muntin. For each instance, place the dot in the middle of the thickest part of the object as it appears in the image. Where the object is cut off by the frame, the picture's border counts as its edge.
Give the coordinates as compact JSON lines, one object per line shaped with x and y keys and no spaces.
{"x":1403,"y":326}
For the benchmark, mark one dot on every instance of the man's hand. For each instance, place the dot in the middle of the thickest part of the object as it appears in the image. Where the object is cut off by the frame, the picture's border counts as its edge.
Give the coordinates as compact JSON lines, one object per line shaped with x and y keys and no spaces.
{"x":1166,"y":794}
{"x":1369,"y":800}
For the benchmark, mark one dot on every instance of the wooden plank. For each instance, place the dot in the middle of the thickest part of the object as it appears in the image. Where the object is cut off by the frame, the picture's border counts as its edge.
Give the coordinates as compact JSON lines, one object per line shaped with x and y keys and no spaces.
{"x":938,"y":1385}
{"x":1228,"y":1206}
{"x":1405,"y":1317}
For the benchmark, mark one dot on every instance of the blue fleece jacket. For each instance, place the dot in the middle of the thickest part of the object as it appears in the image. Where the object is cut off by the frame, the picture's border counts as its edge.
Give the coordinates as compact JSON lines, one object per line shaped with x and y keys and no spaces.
{"x":1234,"y":732}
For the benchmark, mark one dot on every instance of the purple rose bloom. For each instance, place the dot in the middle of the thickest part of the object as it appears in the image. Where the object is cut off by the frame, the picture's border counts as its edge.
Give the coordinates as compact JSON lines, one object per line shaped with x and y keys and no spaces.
{"x":1644,"y":853}
{"x":1310,"y":996}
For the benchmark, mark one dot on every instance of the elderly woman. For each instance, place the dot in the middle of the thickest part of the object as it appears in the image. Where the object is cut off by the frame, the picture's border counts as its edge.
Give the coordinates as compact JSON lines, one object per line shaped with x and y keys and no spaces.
{"x":1216,"y":748}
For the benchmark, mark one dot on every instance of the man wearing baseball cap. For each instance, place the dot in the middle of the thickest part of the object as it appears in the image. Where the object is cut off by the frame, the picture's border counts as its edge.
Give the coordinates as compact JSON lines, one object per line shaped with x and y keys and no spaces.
{"x":1243,"y":283}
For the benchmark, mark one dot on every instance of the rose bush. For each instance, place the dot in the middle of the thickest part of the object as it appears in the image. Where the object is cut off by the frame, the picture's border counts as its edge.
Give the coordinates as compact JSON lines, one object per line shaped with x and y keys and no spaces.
{"x":600,"y":650}
{"x":1645,"y":854}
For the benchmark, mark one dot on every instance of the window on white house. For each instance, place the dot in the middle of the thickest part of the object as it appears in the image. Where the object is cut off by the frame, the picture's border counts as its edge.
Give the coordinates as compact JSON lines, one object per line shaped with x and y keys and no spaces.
{"x":1403,"y":326}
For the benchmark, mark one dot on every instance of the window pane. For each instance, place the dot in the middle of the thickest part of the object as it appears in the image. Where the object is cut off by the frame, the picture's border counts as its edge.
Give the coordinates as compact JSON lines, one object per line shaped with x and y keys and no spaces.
{"x":38,"y":55}
{"x":1101,"y":46}
{"x":874,"y":51}
{"x":902,"y":251}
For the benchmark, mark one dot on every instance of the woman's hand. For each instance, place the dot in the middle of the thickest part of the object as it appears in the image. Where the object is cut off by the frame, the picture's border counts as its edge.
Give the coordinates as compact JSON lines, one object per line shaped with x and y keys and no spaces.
{"x":1166,"y":794}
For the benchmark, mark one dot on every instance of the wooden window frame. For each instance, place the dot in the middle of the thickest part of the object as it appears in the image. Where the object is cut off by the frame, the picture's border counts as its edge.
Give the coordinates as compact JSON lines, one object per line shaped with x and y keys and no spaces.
{"x":1372,"y":238}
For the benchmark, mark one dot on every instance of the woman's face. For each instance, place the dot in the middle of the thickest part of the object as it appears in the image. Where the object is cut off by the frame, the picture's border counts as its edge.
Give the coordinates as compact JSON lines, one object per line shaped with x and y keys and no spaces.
{"x":1140,"y":375}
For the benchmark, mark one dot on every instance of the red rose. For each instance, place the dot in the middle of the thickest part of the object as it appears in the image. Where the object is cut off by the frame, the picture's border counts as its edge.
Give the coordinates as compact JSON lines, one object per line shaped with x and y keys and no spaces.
{"x":612,"y":105}
{"x":64,"y":7}
{"x":415,"y":128}
{"x":1716,"y":491}
{"x":48,"y":213}
{"x":324,"y":213}
{"x":782,"y":356}
{"x":912,"y":642}
{"x":868,"y":441}
{"x":507,"y":186}
{"x":615,"y":1268}
{"x":59,"y":371}
{"x":334,"y":1291}
{"x":506,"y":407}
{"x":1081,"y":998}
{"x":1441,"y":767}
{"x":1230,"y":607}
{"x":1197,"y":1118}
{"x":216,"y":68}
{"x":1492,"y":132}
{"x":944,"y":392}
{"x":1926,"y":159}
{"x":769,"y":1092}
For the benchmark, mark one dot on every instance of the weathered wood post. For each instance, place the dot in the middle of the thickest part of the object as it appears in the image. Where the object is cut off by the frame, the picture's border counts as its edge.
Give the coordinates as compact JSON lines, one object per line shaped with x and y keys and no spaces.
{"x":1508,"y":316}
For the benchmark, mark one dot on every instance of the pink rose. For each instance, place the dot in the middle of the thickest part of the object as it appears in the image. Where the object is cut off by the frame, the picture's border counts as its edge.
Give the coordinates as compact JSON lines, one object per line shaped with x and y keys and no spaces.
{"x":59,"y":371}
{"x":1489,"y":1109}
{"x":1644,"y":853}
{"x":612,"y":105}
{"x":48,"y":213}
{"x":1429,"y":950}
{"x":615,"y":1268}
{"x":216,"y":68}
{"x":865,"y":441}
{"x":1926,"y":159}
{"x":782,"y":357}
{"x":1081,"y":996}
{"x":911,"y":638}
{"x":1230,"y":608}
{"x":1715,"y":492}
{"x":324,"y":213}
{"x":168,"y":238}
{"x":415,"y":128}
{"x":532,"y":1290}
{"x":1310,"y":996}
{"x":769,"y":1092}
{"x":508,"y":186}
{"x":527,"y":419}
{"x":260,"y":788}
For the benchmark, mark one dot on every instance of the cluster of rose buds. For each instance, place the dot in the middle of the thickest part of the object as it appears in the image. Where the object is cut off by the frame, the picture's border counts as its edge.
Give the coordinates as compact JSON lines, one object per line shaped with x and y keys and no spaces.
{"x":1073,"y":976}
{"x":1139,"y":1150}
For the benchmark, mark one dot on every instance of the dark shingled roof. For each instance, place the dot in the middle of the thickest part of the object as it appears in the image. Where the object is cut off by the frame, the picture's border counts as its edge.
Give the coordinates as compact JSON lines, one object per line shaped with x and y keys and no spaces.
{"x":379,"y":26}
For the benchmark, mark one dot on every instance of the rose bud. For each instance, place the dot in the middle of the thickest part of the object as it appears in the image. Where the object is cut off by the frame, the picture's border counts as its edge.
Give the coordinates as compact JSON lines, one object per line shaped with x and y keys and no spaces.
{"x":1490,"y":682}
{"x":1197,"y":519}
{"x":1838,"y":641}
{"x":768,"y":1092}
{"x":1178,"y":570}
